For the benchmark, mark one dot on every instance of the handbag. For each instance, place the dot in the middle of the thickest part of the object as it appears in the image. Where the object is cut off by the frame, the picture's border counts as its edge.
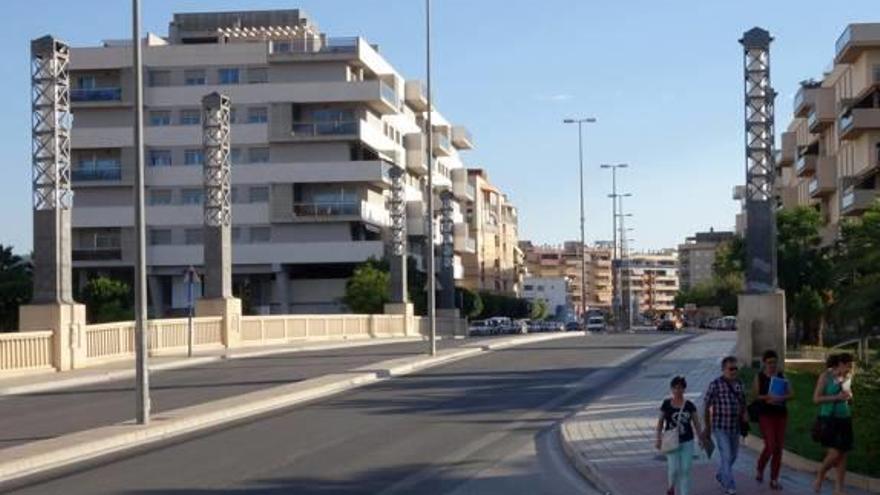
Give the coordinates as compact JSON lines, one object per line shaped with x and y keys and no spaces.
{"x":669,"y":442}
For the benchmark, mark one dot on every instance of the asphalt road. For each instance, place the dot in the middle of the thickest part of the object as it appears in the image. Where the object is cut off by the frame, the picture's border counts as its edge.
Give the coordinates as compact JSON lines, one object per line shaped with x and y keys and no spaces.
{"x":26,"y":418}
{"x":481,"y":425}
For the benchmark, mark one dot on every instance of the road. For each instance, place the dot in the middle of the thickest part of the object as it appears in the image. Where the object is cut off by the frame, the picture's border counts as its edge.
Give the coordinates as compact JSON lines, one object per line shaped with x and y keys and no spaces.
{"x":479,"y":425}
{"x":25,"y":418}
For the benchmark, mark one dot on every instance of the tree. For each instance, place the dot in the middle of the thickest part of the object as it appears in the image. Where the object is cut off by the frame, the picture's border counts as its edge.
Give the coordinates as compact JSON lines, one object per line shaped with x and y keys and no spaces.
{"x":107,"y":300}
{"x":367,"y":290}
{"x":730,"y":258}
{"x":856,"y":278}
{"x":804,"y":271}
{"x":539,"y":309}
{"x":471,"y":302}
{"x":16,"y":287}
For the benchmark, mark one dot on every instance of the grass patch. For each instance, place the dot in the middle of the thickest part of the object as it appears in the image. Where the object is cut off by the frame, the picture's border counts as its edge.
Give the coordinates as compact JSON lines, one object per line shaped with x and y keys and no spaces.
{"x":865,"y":459}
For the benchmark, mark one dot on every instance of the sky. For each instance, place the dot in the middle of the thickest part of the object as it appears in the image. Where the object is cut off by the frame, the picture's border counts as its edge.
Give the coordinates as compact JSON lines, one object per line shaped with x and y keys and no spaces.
{"x":663,"y":79}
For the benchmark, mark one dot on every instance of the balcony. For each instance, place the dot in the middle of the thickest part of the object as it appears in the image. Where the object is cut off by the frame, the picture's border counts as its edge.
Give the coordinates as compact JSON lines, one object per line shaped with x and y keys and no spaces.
{"x":341,"y":211}
{"x":854,"y":40}
{"x":804,"y":99}
{"x":805,"y":166}
{"x":460,"y":184}
{"x":389,"y":95}
{"x":825,"y":181}
{"x":789,"y":149}
{"x":313,"y":49}
{"x":325,"y":130}
{"x":93,"y":95}
{"x":822,"y":114}
{"x":856,"y":121}
{"x":855,"y":201}
{"x":97,"y":254}
{"x":416,"y":95}
{"x":416,"y":157}
{"x":461,"y":138}
{"x":96,"y":174}
{"x":442,"y":145}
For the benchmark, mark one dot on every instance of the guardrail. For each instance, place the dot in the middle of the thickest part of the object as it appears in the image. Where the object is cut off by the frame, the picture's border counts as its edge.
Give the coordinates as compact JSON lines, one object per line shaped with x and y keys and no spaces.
{"x":109,"y":341}
{"x":95,"y":94}
{"x":26,"y":351}
{"x":286,"y":328}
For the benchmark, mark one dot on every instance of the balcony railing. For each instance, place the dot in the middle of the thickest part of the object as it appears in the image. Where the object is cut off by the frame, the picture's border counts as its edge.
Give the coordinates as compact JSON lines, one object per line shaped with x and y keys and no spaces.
{"x":327,"y":209}
{"x":97,"y":254}
{"x":842,"y":41}
{"x":314,"y":45}
{"x":96,"y":174}
{"x":96,"y":94}
{"x":388,"y":93}
{"x":314,"y":129}
{"x":846,"y":121}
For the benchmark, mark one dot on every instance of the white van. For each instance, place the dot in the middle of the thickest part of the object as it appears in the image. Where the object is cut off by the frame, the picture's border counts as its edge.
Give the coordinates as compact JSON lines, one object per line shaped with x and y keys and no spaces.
{"x":596,"y":323}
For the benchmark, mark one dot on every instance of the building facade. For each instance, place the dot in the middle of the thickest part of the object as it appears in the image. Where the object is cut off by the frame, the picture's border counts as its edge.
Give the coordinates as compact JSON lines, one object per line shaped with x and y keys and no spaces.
{"x":555,"y":293}
{"x":830,"y":152}
{"x":697,"y":255}
{"x":317,"y":124}
{"x":650,"y":282}
{"x":547,"y":261}
{"x":492,"y":260}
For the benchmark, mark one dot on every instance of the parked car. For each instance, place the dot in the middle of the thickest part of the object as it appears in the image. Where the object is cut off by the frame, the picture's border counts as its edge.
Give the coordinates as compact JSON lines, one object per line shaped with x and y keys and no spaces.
{"x":596,"y":323}
{"x":666,"y":326}
{"x":574,"y":326}
{"x":727,"y":323}
{"x":479,"y":328}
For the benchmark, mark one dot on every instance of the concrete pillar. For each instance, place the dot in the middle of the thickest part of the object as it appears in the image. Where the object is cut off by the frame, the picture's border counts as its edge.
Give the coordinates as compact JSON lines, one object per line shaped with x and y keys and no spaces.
{"x":66,"y":320}
{"x":760,"y":325}
{"x":407,"y":311}
{"x":157,"y":302}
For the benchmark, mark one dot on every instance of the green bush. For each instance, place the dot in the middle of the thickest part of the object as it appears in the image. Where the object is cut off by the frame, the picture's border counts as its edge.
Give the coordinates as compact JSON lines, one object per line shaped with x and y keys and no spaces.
{"x":108,"y":300}
{"x":367,"y":290}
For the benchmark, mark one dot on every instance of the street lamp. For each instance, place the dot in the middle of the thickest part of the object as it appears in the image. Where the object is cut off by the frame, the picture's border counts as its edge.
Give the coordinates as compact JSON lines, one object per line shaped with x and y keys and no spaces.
{"x":580,"y":122}
{"x":615,"y":283}
{"x":432,"y":281}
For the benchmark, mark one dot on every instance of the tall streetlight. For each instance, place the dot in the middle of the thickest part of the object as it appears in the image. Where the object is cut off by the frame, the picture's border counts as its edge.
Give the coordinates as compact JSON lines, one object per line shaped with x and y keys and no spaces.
{"x":580,"y":123}
{"x":140,"y":269}
{"x":624,"y":261}
{"x":615,"y":283}
{"x":432,"y":281}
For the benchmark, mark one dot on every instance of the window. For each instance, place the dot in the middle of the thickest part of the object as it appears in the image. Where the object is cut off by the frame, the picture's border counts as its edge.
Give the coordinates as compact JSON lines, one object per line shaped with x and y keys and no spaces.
{"x":236,"y":235}
{"x":227,"y":76}
{"x":191,"y":196}
{"x":193,"y":236}
{"x":193,"y":157}
{"x":258,"y":115}
{"x":160,"y":197}
{"x":233,"y":194}
{"x":528,"y":287}
{"x":233,"y":115}
{"x":257,"y":76}
{"x":194,"y":78}
{"x":160,"y":237}
{"x":160,"y":158}
{"x":258,"y":155}
{"x":190,"y":117}
{"x":259,"y":194}
{"x":87,"y":82}
{"x":160,"y":117}
{"x":159,"y":78}
{"x":261,"y":234}
{"x":235,"y":156}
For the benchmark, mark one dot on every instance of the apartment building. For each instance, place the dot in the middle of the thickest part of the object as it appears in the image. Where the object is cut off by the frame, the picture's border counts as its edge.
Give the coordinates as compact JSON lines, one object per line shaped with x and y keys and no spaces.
{"x":492,"y":259}
{"x":553,"y":291}
{"x":830,"y":152}
{"x":697,"y":255}
{"x":317,"y":124}
{"x":650,"y":282}
{"x":548,"y":261}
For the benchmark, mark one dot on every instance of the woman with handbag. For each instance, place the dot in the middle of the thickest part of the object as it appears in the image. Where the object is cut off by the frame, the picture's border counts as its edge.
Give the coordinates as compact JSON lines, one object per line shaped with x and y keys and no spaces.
{"x":675,"y":436}
{"x":833,"y":427}
{"x":772,"y":416}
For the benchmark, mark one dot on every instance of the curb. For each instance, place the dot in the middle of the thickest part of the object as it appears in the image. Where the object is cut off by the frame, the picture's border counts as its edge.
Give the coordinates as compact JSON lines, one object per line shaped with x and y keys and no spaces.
{"x":584,"y":466}
{"x":184,"y":362}
{"x":36,"y":457}
{"x":800,"y":463}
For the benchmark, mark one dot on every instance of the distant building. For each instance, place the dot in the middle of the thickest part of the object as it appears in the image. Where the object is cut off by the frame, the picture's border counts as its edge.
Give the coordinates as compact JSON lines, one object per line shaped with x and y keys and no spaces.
{"x":697,"y":255}
{"x":548,"y":261}
{"x":554,"y":291}
{"x":650,"y":281}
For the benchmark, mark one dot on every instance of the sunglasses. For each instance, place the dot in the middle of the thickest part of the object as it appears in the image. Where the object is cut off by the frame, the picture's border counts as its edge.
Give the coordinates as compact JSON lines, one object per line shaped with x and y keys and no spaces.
{"x":733,"y":369}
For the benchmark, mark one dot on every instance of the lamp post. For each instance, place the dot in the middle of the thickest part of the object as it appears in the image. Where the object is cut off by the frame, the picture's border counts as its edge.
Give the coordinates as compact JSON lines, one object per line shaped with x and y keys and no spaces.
{"x":580,"y":123}
{"x":624,"y":261}
{"x":140,"y":268}
{"x":615,"y":283}
{"x":432,"y":281}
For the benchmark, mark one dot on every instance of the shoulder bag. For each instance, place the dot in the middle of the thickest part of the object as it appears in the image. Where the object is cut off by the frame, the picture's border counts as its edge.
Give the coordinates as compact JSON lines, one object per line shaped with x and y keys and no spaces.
{"x":669,"y":442}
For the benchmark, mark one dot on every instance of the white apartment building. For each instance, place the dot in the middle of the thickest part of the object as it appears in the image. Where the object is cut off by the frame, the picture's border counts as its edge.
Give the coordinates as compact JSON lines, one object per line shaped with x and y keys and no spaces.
{"x":650,"y":281}
{"x":317,"y":124}
{"x":696,"y":257}
{"x":554,"y":291}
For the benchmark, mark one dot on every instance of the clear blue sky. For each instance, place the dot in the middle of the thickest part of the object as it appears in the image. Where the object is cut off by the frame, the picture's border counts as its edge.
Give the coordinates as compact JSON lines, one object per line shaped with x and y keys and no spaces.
{"x":663,"y":78}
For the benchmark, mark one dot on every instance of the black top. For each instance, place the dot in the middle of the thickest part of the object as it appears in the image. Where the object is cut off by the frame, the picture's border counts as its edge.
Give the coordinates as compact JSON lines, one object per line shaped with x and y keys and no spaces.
{"x":763,"y":388}
{"x":672,"y":418}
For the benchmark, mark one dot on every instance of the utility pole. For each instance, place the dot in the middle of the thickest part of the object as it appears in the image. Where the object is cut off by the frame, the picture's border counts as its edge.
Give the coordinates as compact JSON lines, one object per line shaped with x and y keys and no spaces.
{"x":432,"y":280}
{"x":617,"y":297}
{"x":583,"y":251}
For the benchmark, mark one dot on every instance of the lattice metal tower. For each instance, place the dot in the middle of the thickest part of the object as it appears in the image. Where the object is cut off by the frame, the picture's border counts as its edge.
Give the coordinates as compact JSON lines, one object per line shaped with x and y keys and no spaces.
{"x":447,"y":260}
{"x":50,"y":159}
{"x":760,"y":163}
{"x":397,"y":204}
{"x":216,"y":109}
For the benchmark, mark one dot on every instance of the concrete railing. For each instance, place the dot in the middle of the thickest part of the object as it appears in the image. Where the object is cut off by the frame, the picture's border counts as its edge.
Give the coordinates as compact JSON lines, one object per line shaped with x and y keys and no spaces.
{"x":81,"y":346}
{"x":26,"y":351}
{"x":286,"y":328}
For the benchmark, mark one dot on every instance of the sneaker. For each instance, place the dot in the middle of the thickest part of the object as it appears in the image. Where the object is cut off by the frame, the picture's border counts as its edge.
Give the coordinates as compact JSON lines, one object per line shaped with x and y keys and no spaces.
{"x":730,"y":491}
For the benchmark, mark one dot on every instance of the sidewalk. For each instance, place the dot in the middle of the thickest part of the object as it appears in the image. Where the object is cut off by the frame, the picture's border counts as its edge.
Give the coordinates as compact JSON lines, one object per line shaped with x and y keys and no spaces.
{"x":613,"y":438}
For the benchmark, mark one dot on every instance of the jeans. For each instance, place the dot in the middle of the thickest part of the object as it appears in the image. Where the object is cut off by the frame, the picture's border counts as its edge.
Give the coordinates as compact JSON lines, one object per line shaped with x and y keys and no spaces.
{"x":727,"y":443}
{"x":678,"y":467}
{"x":773,"y":431}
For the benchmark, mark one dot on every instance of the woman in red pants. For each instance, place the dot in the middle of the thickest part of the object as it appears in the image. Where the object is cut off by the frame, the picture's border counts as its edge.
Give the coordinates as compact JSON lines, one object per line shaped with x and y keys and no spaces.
{"x":772,"y":416}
